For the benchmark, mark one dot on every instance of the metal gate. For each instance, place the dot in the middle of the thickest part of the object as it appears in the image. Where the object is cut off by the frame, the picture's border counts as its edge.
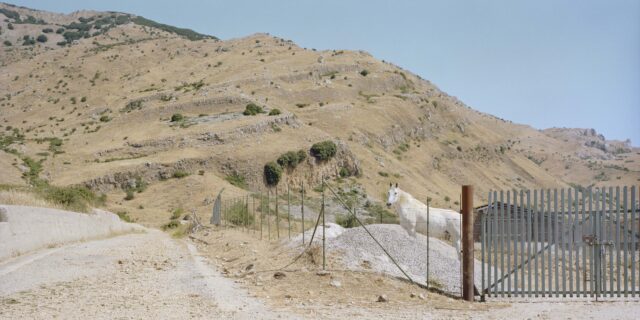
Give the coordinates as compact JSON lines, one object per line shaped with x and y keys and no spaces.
{"x":560,"y":243}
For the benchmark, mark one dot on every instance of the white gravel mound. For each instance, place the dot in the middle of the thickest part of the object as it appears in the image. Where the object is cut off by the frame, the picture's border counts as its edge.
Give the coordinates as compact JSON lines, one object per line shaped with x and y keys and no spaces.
{"x":24,"y":229}
{"x":360,"y":252}
{"x":331,"y":231}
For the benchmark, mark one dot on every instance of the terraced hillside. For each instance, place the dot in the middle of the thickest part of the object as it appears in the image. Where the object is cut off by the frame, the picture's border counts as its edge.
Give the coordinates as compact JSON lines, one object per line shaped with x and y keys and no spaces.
{"x":123,"y":103}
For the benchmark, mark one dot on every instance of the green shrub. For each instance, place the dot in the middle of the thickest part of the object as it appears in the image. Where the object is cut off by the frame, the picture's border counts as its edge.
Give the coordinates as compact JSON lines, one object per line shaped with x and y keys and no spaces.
{"x":75,"y":198}
{"x":129,"y":195}
{"x":124,"y":216}
{"x":291,"y":159}
{"x":346,"y":221}
{"x":237,"y":180}
{"x":47,"y":30}
{"x":171,"y":225}
{"x":105,"y":118}
{"x":176,"y":213}
{"x":344,"y":172}
{"x":59,"y":30}
{"x":42,"y":38}
{"x":364,"y":72}
{"x":238,"y":214}
{"x":324,"y":150}
{"x":272,"y":173}
{"x":274,"y":112}
{"x":177,"y":117}
{"x":252,"y":109}
{"x":178,"y":174}
{"x":7,"y":43}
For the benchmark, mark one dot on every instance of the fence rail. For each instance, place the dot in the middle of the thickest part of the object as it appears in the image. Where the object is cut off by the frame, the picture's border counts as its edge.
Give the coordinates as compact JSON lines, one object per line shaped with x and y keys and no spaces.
{"x":561,"y":243}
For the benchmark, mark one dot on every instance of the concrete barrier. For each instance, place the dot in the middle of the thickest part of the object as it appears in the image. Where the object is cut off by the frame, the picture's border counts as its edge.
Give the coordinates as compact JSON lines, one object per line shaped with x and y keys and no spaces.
{"x":24,"y":229}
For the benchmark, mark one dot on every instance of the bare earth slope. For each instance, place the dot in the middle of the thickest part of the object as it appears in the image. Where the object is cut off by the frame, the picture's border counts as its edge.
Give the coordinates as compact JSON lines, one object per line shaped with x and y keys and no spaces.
{"x":96,"y":110}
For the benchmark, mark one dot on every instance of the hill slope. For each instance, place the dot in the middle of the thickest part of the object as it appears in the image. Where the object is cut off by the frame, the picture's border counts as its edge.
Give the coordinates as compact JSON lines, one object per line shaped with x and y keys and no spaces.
{"x":97,"y":111}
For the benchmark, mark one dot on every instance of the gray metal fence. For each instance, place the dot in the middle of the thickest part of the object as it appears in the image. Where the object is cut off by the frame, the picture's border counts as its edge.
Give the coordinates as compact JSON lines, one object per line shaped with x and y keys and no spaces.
{"x":561,"y":243}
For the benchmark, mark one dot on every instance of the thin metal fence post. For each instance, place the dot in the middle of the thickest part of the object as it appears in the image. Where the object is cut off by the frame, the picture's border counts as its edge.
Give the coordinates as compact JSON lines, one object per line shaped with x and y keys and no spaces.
{"x":555,"y":240}
{"x":494,"y":236}
{"x":572,"y":235}
{"x":324,"y":259}
{"x":611,"y":234}
{"x":302,"y":210}
{"x":515,"y":237}
{"x":261,"y":213}
{"x":277,"y":215}
{"x":536,"y":235}
{"x":522,"y":241}
{"x":529,"y":212}
{"x":269,"y":213}
{"x":289,"y":210}
{"x":467,"y":243}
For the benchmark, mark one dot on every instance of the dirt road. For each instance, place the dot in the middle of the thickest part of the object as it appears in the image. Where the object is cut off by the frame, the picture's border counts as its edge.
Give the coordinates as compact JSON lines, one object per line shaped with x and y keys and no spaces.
{"x":135,"y":276}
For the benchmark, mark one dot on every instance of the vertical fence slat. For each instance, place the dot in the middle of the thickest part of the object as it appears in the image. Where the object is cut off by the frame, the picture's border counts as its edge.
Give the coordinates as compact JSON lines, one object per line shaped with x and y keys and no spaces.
{"x":501,"y":222}
{"x":515,"y":237}
{"x":507,"y":219}
{"x":632,"y":226}
{"x":548,"y":242}
{"x":563,"y":243}
{"x":529,"y":238}
{"x":483,"y":239}
{"x":589,"y":249}
{"x":536,"y":236}
{"x":580,"y":262}
{"x":543,"y":239}
{"x":555,"y":222}
{"x":595,"y":256}
{"x":625,"y":244}
{"x":302,"y":209}
{"x":495,"y":241}
{"x":618,"y":244}
{"x":611,"y":240}
{"x":572,"y":235}
{"x":522,"y":240}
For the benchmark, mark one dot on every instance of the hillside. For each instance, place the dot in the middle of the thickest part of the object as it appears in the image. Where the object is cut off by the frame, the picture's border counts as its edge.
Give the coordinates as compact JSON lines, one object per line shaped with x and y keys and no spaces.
{"x":93,"y":106}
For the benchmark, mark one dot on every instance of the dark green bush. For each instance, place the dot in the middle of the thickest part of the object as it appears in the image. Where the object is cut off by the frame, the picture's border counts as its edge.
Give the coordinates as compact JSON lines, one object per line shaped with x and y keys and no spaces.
{"x":272,"y":173}
{"x":252,"y":109}
{"x":324,"y":150}
{"x":364,"y":72}
{"x":344,"y":172}
{"x":274,"y":112}
{"x":291,"y":159}
{"x":59,"y":30}
{"x":42,"y":38}
{"x":177,"y":117}
{"x":105,"y":118}
{"x":7,"y":43}
{"x":47,"y":30}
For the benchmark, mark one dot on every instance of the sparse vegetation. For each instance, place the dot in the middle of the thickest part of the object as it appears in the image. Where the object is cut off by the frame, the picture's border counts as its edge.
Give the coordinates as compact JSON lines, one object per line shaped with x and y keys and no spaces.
{"x":364,"y":72}
{"x":237,"y":180}
{"x":238,"y":214}
{"x":324,"y":150}
{"x":179,"y":174}
{"x":274,"y":112}
{"x":252,"y":109}
{"x":346,"y":220}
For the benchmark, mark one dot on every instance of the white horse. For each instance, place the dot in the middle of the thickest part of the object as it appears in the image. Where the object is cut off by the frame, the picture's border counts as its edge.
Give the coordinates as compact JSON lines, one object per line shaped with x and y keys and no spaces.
{"x":443,"y":223}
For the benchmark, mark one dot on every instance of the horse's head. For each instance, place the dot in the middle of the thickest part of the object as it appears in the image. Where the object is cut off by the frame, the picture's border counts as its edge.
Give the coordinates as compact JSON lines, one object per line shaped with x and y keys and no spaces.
{"x":392,"y":194}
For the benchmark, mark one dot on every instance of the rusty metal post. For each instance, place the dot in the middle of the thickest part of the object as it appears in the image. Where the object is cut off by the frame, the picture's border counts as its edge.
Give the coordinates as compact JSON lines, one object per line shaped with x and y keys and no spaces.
{"x":467,"y":243}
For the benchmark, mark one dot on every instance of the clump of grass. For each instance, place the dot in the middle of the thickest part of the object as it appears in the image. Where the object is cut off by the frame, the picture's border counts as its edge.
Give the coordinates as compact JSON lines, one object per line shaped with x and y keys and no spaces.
{"x":129,"y":195}
{"x":346,"y":221}
{"x":179,"y":174}
{"x":237,"y":180}
{"x":238,"y":214}
{"x":274,"y":112}
{"x":124,"y":216}
{"x":176,"y":213}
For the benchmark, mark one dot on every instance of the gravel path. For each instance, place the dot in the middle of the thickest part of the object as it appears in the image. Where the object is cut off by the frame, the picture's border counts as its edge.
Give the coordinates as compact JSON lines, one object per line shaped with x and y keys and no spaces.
{"x":132,"y":276}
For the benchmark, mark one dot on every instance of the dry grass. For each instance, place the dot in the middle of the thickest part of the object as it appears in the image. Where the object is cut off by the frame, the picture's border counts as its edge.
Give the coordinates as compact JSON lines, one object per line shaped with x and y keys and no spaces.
{"x":25,"y":198}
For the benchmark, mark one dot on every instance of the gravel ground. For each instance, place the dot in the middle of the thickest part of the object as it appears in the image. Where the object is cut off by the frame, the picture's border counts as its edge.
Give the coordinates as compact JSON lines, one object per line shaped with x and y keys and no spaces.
{"x":361,"y":252}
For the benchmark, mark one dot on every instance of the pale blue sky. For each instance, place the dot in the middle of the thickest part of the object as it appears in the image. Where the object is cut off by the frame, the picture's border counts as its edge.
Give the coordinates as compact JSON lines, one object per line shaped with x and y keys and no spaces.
{"x":544,"y":63}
